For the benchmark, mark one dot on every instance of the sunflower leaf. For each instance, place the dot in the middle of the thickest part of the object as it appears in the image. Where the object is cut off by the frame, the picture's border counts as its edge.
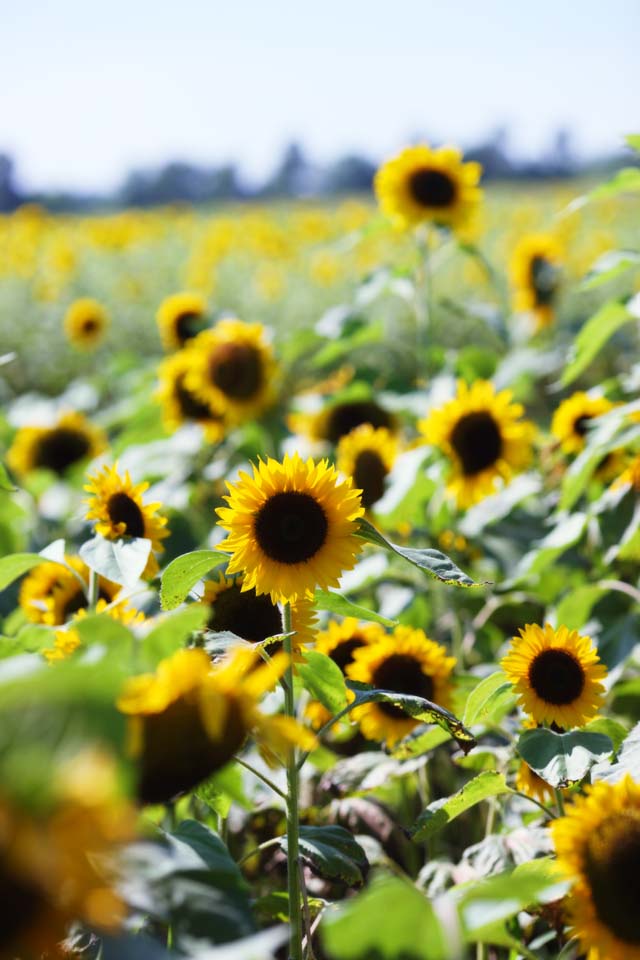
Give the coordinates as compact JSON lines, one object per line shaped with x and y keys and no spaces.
{"x":440,"y":812}
{"x":562,"y":758}
{"x":434,"y":563}
{"x":184,"y":572}
{"x":336,"y":603}
{"x":594,"y":334}
{"x":324,"y":680}
{"x":332,"y":852}
{"x":5,"y":480}
{"x":628,"y":762}
{"x":489,"y":700}
{"x":16,"y":564}
{"x":121,"y":561}
{"x":171,"y":633}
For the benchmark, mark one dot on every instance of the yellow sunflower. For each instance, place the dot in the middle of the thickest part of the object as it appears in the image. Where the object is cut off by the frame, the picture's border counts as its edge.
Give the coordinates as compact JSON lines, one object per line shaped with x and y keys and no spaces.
{"x":189,"y":719}
{"x":66,"y":642}
{"x":85,"y":323}
{"x":339,"y":642}
{"x":570,"y":423}
{"x":181,"y":317}
{"x":405,"y":662}
{"x":367,"y":456}
{"x":292,"y":528}
{"x":598,"y":848}
{"x":535,"y":275}
{"x":630,"y":475}
{"x":117,"y":507}
{"x":485,"y":437}
{"x":422,"y":184}
{"x":232,"y":369}
{"x":56,"y":448}
{"x":338,"y":419}
{"x":53,"y":594}
{"x":557,"y":675}
{"x":181,"y":405}
{"x":529,"y":783}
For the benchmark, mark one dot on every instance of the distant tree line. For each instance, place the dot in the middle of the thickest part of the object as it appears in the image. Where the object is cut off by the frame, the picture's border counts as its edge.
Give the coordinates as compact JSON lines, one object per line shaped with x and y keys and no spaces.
{"x":295,"y":175}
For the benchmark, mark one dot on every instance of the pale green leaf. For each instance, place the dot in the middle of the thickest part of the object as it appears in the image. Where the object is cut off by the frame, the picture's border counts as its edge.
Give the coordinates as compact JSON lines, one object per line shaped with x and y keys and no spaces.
{"x":183,"y":573}
{"x":441,"y":812}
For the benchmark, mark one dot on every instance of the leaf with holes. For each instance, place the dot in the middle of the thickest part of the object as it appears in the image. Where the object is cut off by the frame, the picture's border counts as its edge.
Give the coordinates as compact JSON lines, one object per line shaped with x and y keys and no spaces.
{"x":184,"y":572}
{"x":332,"y":853}
{"x":441,"y":812}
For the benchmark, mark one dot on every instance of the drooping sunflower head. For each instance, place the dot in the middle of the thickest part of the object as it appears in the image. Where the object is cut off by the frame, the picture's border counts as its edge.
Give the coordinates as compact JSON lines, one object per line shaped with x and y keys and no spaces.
{"x":421,"y":184}
{"x":117,"y":506}
{"x":233,"y":370}
{"x":598,"y":849}
{"x":536,"y":267}
{"x":292,"y":528}
{"x":181,"y":317}
{"x":53,"y":594}
{"x":405,"y":662}
{"x":557,"y":675}
{"x":179,"y":404}
{"x":85,"y":323}
{"x":339,"y":419}
{"x":367,"y":456}
{"x":483,"y":434}
{"x":572,"y":420}
{"x":58,"y":448}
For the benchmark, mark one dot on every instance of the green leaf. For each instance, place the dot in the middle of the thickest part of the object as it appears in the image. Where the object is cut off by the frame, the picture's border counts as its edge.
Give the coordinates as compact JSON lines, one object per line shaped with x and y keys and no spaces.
{"x":441,"y":812}
{"x":184,"y":572}
{"x":332,"y":853}
{"x":610,"y":265}
{"x":16,"y":564}
{"x":624,"y":181}
{"x":616,"y":732}
{"x":324,"y":680}
{"x":490,"y":700}
{"x":593,"y":336}
{"x":336,"y":603}
{"x":121,"y":561}
{"x":171,"y":633}
{"x":418,"y":708}
{"x":5,"y":479}
{"x":102,"y":629}
{"x":499,"y":505}
{"x":419,"y":742}
{"x":574,"y":608}
{"x":562,"y":758}
{"x":389,"y":920}
{"x":633,"y":139}
{"x":564,"y":535}
{"x":627,"y":764}
{"x":434,"y":563}
{"x":222,"y":789}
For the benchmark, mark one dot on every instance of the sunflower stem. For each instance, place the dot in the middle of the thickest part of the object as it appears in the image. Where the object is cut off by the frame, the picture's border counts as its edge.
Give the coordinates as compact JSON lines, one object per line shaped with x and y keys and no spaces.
{"x":261,"y":776}
{"x":92,"y":593}
{"x":293,"y":825}
{"x":559,"y":801}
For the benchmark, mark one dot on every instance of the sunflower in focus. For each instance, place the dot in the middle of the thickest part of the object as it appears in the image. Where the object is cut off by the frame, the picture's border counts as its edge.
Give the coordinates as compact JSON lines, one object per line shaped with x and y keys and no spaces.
{"x":571,"y":421}
{"x":117,"y":506}
{"x":483,"y":434}
{"x":85,"y":323}
{"x":422,"y":184}
{"x":189,"y":718}
{"x":405,"y":662}
{"x":535,"y":276}
{"x":180,"y":405}
{"x":233,"y":370}
{"x":367,"y":456}
{"x":181,"y":317}
{"x":598,"y":848}
{"x":339,"y":419}
{"x":292,"y":528}
{"x":53,"y":594}
{"x":339,"y":642}
{"x":58,"y":448}
{"x":557,"y":675}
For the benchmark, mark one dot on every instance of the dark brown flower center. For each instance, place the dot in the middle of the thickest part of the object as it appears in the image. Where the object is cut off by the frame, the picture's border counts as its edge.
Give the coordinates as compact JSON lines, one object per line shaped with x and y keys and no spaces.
{"x":249,"y":616}
{"x":544,"y":280}
{"x":187,"y":326}
{"x":122,"y":509}
{"x":581,"y":425}
{"x":78,"y":601}
{"x":291,"y":527}
{"x":477,"y":441}
{"x":342,"y":655}
{"x":557,"y":677}
{"x":612,"y":866}
{"x":402,"y":674}
{"x":90,"y":325}
{"x":60,"y":448}
{"x":20,"y":904}
{"x":345,"y":417}
{"x":369,"y":475}
{"x":191,"y":407}
{"x":432,"y":188}
{"x":236,"y":370}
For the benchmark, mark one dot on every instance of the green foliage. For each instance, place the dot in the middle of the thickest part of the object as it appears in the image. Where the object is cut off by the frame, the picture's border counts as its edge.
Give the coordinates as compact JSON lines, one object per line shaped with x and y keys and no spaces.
{"x":121,"y":561}
{"x":332,"y":853}
{"x":183,"y":573}
{"x":441,"y":812}
{"x":324,"y":681}
{"x":335,"y":603}
{"x":490,"y":700}
{"x":562,"y":758}
{"x":171,"y":633}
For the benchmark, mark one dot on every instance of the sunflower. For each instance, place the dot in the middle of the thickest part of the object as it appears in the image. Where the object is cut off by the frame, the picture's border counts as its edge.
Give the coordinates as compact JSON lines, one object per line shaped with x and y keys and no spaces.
{"x":630,"y":476}
{"x":53,"y":594}
{"x":181,"y":317}
{"x":117,"y":506}
{"x":338,"y":419}
{"x":57,"y":448}
{"x":535,"y":275}
{"x":232,"y":370}
{"x":422,"y":184}
{"x":85,"y":323}
{"x":598,"y":848}
{"x":528,"y":782}
{"x":189,"y":719}
{"x":570,"y":423}
{"x":485,"y":437}
{"x":181,"y":405}
{"x":66,"y":642}
{"x":292,"y":528}
{"x":556,"y":674}
{"x":405,"y":662}
{"x":367,"y":456}
{"x":339,"y":642}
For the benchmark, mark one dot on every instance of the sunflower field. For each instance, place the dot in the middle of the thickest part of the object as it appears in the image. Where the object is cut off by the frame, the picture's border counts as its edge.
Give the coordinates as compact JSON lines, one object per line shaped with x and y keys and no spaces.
{"x":320,"y":530}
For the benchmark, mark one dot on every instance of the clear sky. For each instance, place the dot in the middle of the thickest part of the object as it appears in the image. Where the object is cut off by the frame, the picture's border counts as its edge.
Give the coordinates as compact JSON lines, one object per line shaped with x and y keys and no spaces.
{"x":90,"y":89}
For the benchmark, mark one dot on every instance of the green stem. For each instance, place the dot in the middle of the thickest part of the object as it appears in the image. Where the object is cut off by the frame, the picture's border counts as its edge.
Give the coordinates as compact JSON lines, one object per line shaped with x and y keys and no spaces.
{"x":559,"y":801}
{"x":323,"y":729}
{"x":263,"y":846}
{"x":549,"y":812}
{"x":261,"y":776}
{"x":92,"y":594}
{"x":293,"y":824}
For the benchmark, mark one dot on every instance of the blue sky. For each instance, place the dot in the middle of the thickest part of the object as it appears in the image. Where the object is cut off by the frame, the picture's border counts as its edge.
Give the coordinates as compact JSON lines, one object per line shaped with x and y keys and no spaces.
{"x":91,"y":90}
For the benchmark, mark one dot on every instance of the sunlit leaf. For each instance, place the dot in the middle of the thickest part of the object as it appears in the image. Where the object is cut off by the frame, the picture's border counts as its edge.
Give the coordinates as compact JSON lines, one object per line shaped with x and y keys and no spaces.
{"x":183,"y":573}
{"x":336,"y":603}
{"x":562,"y":758}
{"x":593,"y":336}
{"x":324,"y":680}
{"x":441,"y":812}
{"x":121,"y":561}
